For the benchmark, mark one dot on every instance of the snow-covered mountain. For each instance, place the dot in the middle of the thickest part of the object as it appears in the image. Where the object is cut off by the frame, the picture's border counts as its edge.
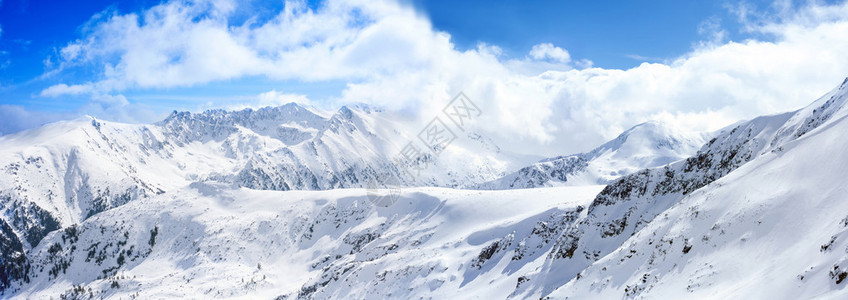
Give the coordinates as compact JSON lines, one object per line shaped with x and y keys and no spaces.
{"x":646,"y":145}
{"x":64,"y":173}
{"x":649,"y":197}
{"x":757,"y":212}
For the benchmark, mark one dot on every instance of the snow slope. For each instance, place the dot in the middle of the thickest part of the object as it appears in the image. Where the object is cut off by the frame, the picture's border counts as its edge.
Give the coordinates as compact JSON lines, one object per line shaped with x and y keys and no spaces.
{"x":646,"y":145}
{"x":631,"y":203}
{"x":777,"y":227}
{"x":210,"y":240}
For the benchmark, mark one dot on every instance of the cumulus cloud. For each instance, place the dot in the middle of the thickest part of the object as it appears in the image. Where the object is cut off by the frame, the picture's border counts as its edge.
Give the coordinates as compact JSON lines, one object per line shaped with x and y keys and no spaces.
{"x":186,"y":43}
{"x":549,"y":51}
{"x":391,"y":56}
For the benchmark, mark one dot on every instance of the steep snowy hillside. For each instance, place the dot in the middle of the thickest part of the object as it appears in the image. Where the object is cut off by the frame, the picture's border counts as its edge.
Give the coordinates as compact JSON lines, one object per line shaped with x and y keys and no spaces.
{"x":629,"y":204}
{"x":777,"y":227}
{"x":65,"y":172}
{"x":209,"y":240}
{"x":646,"y":145}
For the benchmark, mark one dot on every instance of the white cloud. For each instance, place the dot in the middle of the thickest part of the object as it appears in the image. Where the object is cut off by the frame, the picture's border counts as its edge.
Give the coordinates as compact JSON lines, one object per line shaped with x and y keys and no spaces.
{"x":113,"y":107}
{"x":711,"y":28}
{"x":118,"y":108}
{"x":391,"y":56}
{"x":64,"y":89}
{"x":549,"y":51}
{"x":274,"y":97}
{"x":643,"y":58}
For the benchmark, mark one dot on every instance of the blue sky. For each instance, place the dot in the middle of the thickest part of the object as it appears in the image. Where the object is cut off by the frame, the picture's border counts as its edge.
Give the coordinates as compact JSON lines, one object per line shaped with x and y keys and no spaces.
{"x":612,"y":34}
{"x":699,"y":64}
{"x":609,"y":33}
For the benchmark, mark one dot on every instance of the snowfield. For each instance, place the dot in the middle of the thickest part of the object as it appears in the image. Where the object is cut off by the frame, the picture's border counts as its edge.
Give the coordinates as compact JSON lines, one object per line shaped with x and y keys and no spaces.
{"x":776,"y":228}
{"x":216,"y":241}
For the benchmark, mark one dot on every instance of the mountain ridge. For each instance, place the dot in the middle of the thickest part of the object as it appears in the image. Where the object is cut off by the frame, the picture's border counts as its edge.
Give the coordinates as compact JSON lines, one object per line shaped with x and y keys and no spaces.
{"x":651,"y":144}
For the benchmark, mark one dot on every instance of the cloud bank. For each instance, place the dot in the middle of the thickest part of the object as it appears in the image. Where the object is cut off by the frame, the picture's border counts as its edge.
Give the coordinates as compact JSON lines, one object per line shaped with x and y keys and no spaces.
{"x":390,"y":55}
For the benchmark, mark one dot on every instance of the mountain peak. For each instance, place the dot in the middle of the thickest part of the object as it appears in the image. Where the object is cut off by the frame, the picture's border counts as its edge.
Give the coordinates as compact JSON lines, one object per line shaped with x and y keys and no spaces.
{"x":650,"y":124}
{"x":645,"y":145}
{"x":649,"y":137}
{"x":362,"y":107}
